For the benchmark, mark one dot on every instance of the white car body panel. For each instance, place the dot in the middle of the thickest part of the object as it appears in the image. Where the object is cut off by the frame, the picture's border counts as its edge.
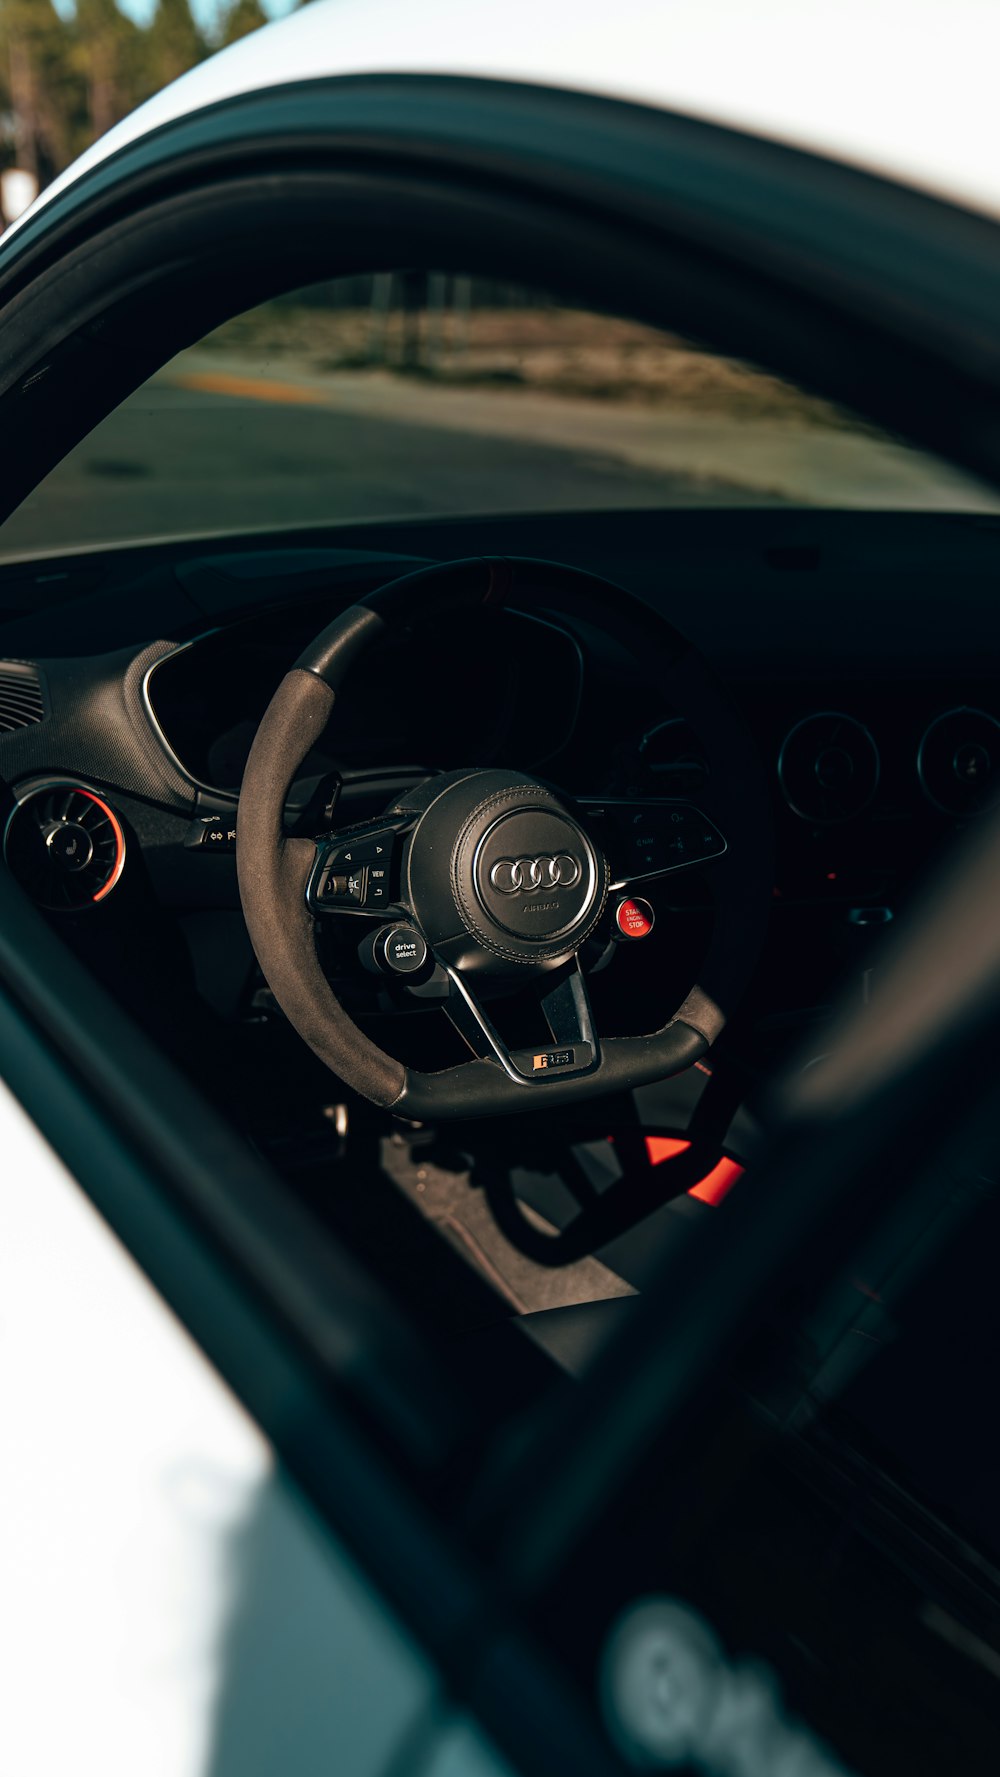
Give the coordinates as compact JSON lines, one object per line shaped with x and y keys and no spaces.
{"x":906,"y":88}
{"x":170,"y":1607}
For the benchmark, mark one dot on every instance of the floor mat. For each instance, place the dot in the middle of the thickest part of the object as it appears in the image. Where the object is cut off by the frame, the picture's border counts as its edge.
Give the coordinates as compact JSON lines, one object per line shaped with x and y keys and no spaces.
{"x":459,"y":1210}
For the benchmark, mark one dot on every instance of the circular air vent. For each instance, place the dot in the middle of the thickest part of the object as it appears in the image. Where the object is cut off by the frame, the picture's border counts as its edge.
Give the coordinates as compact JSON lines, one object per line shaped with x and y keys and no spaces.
{"x":828,"y":767}
{"x":958,"y":761}
{"x":64,"y":844}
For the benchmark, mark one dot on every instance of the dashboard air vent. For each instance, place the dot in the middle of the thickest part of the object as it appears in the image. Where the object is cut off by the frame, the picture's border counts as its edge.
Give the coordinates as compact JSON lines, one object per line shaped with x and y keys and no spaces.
{"x":828,"y":767}
{"x":21,"y":699}
{"x":64,"y":844}
{"x":959,"y":762}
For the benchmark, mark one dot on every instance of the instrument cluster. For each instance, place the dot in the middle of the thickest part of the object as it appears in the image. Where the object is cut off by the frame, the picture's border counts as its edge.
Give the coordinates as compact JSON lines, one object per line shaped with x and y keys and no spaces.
{"x":509,"y":686}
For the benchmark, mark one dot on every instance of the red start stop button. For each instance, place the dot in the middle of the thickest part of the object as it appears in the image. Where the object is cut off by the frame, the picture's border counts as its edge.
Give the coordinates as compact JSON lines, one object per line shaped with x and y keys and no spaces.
{"x":634,"y":919}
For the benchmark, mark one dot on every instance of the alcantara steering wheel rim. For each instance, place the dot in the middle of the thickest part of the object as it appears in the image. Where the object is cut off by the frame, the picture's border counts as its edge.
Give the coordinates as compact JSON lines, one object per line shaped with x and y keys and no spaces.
{"x":454,"y":848}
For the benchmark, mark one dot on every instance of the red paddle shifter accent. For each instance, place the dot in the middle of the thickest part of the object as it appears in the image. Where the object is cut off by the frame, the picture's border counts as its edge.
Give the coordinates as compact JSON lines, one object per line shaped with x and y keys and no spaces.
{"x":715,"y":1184}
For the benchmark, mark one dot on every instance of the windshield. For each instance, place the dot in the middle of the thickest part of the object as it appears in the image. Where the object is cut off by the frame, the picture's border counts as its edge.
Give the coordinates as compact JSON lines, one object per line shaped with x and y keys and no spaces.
{"x":410,"y":395}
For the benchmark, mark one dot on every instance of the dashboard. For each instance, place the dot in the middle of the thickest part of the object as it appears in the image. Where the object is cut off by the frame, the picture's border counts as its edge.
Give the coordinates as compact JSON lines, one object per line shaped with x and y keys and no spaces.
{"x":863,"y":651}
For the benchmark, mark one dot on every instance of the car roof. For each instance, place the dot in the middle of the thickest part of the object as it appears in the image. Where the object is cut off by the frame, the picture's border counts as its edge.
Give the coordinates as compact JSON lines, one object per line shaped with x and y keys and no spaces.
{"x":905,"y":88}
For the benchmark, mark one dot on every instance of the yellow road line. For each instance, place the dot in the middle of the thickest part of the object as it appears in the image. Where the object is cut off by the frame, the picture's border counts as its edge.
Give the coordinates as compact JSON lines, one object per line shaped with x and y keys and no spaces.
{"x":247,"y":388}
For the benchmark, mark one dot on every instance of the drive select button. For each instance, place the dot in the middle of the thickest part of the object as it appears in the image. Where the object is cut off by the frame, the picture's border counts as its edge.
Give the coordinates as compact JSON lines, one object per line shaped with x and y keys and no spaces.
{"x":404,"y":951}
{"x":634,"y":919}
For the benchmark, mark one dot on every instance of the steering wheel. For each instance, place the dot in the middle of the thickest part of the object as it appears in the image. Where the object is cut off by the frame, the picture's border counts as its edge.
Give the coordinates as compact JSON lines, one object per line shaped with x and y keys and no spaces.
{"x":489,"y":874}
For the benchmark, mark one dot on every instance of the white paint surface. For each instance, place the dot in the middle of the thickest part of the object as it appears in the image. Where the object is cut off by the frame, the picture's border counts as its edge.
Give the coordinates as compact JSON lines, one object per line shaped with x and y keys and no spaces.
{"x":125,"y":1466}
{"x":905,"y":87}
{"x":168,"y":1606}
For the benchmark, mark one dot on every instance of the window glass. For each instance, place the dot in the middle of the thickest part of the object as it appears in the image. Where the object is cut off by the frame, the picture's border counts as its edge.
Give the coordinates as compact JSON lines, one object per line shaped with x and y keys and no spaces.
{"x":412,"y":395}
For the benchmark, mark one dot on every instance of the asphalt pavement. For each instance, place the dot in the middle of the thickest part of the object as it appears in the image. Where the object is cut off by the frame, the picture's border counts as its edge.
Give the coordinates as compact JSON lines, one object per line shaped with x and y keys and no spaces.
{"x":177,"y":461}
{"x":212,"y":447}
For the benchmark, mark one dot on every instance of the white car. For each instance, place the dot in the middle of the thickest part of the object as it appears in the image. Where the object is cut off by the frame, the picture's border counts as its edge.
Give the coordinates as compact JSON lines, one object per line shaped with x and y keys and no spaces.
{"x":497,"y":1263}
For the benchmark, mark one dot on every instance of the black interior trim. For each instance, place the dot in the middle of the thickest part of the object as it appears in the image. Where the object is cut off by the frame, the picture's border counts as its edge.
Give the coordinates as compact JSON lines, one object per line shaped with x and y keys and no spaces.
{"x":850,"y":1138}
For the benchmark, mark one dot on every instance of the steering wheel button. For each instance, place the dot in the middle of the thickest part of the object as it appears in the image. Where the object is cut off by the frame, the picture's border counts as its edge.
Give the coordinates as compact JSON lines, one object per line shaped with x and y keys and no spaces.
{"x":634,"y":919}
{"x":403,"y":950}
{"x":338,"y":887}
{"x":364,"y":848}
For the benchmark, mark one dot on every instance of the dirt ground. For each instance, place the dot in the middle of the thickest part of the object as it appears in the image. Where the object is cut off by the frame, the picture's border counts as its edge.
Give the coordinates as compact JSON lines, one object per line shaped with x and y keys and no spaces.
{"x":555,"y":350}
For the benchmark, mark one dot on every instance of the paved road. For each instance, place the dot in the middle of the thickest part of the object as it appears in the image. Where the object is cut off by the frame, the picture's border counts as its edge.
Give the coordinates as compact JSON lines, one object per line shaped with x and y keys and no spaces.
{"x":213,"y":446}
{"x":180,"y":461}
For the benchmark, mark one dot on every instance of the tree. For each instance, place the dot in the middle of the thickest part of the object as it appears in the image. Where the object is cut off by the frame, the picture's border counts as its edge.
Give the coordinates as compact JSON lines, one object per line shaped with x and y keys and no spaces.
{"x":240,"y":18}
{"x":42,"y":102}
{"x":65,"y":80}
{"x":108,"y":54}
{"x":173,"y":43}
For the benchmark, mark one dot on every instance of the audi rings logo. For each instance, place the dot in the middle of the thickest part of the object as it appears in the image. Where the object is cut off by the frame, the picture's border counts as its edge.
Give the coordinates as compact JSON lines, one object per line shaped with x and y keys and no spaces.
{"x":522,"y":876}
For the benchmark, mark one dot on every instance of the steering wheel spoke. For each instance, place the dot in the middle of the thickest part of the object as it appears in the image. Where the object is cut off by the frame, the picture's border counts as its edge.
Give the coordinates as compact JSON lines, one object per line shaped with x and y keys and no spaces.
{"x":645,"y":838}
{"x":357,"y":871}
{"x":565,"y":1004}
